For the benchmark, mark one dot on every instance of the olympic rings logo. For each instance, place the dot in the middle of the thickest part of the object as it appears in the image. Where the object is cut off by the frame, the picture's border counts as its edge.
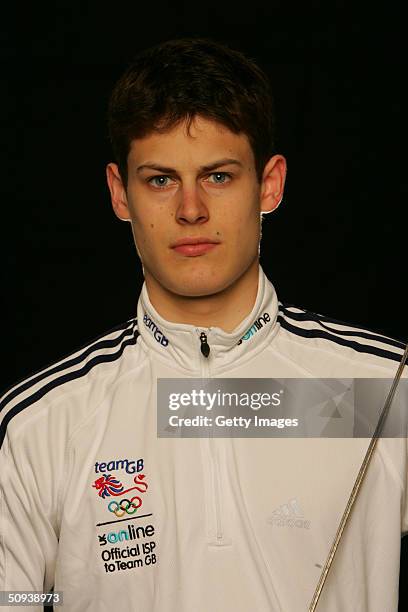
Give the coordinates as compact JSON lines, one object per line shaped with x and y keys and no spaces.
{"x":121,"y":509}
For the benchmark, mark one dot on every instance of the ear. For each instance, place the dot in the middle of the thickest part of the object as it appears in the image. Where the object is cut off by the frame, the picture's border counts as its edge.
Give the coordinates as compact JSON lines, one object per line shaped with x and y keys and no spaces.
{"x":273,"y":183}
{"x":118,"y":192}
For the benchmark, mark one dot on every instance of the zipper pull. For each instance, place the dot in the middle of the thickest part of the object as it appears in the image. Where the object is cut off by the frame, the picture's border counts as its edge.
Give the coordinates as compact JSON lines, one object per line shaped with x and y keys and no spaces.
{"x":205,"y":349}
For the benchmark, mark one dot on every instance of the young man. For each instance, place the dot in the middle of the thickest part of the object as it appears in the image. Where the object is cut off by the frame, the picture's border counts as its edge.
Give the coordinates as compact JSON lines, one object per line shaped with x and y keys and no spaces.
{"x":94,"y":503}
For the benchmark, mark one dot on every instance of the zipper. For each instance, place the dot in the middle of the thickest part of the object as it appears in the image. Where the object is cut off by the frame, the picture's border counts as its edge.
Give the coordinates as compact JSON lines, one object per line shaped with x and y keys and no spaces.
{"x":205,"y":349}
{"x":217,"y":493}
{"x":215,"y":480}
{"x":205,"y":352}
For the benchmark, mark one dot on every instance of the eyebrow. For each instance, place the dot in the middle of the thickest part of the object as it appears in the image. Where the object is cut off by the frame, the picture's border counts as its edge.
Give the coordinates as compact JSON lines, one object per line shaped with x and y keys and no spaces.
{"x":206,"y":168}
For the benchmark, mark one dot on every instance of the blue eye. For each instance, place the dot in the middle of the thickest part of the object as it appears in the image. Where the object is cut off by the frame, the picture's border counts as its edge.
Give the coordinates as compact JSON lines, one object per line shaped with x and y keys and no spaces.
{"x":159,"y":176}
{"x":222,"y":175}
{"x":162,"y":179}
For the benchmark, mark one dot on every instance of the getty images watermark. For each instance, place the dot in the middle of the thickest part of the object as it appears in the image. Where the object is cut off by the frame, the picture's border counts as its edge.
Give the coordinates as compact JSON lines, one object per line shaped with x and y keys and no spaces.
{"x":265,"y":407}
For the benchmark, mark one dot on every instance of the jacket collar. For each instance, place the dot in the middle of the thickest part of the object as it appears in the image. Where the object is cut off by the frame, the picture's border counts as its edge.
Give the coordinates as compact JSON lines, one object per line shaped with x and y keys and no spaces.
{"x":179,"y":343}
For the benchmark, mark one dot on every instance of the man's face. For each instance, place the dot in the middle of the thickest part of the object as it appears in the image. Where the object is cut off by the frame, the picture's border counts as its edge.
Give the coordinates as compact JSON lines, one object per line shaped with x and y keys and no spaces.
{"x":180,"y":198}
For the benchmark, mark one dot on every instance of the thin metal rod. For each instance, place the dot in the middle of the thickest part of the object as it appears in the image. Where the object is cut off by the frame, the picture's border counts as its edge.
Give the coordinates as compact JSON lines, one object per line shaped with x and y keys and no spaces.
{"x":358,"y":483}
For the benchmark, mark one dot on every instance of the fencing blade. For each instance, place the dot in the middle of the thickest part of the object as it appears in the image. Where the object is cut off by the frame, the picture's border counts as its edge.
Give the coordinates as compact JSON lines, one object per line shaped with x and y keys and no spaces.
{"x":358,"y":482}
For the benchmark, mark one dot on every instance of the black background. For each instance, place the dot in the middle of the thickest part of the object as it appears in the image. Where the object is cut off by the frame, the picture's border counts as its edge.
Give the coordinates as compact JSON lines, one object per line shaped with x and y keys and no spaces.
{"x":337,"y":243}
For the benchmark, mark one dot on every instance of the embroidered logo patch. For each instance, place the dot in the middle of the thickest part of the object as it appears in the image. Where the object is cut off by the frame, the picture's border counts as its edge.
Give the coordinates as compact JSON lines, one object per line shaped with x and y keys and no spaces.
{"x":138,"y":539}
{"x":256,"y":326}
{"x":157,"y":333}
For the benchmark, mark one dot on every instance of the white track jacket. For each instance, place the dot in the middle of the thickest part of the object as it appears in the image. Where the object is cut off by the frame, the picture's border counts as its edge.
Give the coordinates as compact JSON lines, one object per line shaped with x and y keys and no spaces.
{"x":96,"y":505}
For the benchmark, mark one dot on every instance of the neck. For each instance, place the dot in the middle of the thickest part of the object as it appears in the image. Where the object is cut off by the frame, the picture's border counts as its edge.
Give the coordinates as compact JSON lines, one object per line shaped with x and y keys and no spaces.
{"x":225,"y":309}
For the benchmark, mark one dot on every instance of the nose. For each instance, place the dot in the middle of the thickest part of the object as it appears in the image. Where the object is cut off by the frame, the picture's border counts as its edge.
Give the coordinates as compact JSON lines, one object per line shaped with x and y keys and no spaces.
{"x":191,"y":208}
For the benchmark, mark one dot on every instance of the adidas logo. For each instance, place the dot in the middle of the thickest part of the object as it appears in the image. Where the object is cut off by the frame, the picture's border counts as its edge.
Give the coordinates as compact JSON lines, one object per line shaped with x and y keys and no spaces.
{"x":289,"y":515}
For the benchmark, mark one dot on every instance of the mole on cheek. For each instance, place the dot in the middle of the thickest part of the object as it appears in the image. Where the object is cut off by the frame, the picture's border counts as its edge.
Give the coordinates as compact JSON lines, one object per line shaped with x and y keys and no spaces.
{"x":151,"y":225}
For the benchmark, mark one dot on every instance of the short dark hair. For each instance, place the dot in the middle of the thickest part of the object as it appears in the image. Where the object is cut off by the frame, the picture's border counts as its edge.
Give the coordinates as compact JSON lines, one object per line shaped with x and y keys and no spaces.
{"x":178,"y":79}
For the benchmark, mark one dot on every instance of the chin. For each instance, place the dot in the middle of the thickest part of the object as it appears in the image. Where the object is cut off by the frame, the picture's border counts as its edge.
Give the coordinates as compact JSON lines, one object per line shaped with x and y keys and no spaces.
{"x":195,"y":287}
{"x":198,"y":280}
